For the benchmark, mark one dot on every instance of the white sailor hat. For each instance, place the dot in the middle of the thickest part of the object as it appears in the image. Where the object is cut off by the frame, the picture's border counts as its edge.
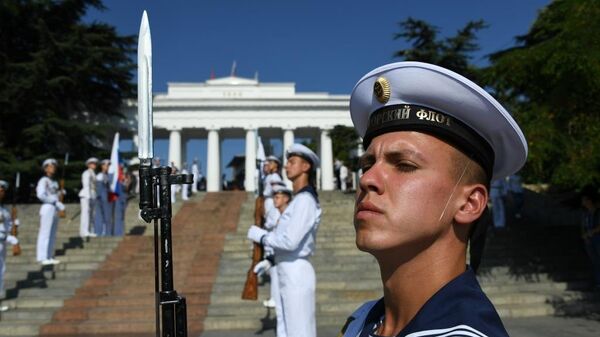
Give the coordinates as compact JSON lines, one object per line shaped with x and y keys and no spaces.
{"x":91,"y":160}
{"x":303,"y":152}
{"x":4,"y":184}
{"x":281,"y":189}
{"x":49,"y":161}
{"x":273,"y":158}
{"x":105,"y":161}
{"x":416,"y":96}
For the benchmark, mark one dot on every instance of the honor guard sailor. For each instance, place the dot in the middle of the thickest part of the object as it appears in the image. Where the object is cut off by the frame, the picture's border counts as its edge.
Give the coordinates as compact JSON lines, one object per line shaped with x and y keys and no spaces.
{"x":272,"y":178}
{"x":281,"y":199}
{"x":434,"y":140}
{"x":87,"y":197}
{"x":293,"y":241}
{"x":6,"y":224}
{"x":47,"y":192}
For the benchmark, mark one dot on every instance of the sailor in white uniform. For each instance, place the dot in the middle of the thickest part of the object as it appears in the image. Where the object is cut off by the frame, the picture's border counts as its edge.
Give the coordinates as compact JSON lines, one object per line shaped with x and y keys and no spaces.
{"x":434,"y":140}
{"x":87,"y":197}
{"x":47,"y":192}
{"x":293,"y":242}
{"x":5,"y":236}
{"x":272,"y":177}
{"x":281,"y":199}
{"x":197,"y":175}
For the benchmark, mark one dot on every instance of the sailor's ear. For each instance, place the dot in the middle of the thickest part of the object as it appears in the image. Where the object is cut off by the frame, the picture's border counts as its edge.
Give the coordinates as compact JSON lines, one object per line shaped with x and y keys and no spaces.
{"x":473,"y":202}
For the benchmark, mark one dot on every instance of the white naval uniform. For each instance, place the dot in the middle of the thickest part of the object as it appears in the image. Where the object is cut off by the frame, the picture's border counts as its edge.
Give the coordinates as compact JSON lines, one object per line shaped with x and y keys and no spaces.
{"x":5,"y":228}
{"x":272,"y":218}
{"x":196,"y":173}
{"x":47,"y":192}
{"x":343,"y":177}
{"x":293,"y":241}
{"x":270,"y":179}
{"x":184,"y":187}
{"x":87,"y":198}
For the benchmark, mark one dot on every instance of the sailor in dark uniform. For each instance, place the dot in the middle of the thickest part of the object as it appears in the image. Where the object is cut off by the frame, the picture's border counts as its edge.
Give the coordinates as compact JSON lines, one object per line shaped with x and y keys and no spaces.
{"x":434,"y":142}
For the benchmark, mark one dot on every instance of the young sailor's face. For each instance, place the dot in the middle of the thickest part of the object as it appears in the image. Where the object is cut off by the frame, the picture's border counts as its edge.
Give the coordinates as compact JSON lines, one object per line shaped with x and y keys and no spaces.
{"x":280,"y":199}
{"x":50,"y":170}
{"x":403,"y":193}
{"x":295,"y":166}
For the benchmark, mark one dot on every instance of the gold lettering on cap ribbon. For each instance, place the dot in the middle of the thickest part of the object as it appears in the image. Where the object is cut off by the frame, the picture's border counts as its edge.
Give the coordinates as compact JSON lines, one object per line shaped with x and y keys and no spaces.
{"x":381,"y":89}
{"x":433,"y":116}
{"x":390,"y":115}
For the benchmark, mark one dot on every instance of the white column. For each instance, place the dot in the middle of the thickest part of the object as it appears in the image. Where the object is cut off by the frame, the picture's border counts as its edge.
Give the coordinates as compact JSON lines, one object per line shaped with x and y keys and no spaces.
{"x":213,"y":162}
{"x":288,"y":140}
{"x":175,"y":148}
{"x":250,"y":160}
{"x":326,"y":161}
{"x":359,"y":152}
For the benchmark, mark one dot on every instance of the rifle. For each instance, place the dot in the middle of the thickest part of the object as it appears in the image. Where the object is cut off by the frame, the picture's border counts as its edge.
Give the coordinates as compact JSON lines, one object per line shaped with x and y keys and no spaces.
{"x":250,"y":291}
{"x":61,"y":195}
{"x":155,"y":187}
{"x":13,"y":214}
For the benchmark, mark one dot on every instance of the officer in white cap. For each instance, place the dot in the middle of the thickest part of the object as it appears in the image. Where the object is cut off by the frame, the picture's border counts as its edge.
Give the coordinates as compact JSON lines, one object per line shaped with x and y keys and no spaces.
{"x":103,"y":222}
{"x":272,"y":177}
{"x":5,"y":236}
{"x":47,"y":190}
{"x":281,"y":199}
{"x":87,"y":197}
{"x":293,"y":241}
{"x":434,"y":140}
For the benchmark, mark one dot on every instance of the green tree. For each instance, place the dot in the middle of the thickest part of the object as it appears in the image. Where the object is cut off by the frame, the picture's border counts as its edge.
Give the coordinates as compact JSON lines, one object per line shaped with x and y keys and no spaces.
{"x":551,"y":80}
{"x":344,"y":141}
{"x":452,"y":52}
{"x":61,"y":81}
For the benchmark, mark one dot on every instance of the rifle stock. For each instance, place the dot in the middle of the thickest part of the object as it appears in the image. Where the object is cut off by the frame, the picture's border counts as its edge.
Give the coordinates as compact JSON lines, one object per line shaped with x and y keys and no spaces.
{"x":16,"y":249}
{"x":250,"y":291}
{"x":61,"y":197}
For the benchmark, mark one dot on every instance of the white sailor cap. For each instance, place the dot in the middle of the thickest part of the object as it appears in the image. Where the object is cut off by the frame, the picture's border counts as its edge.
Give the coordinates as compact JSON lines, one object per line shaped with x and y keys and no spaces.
{"x":416,"y":96}
{"x":303,"y":152}
{"x":4,"y":184}
{"x":281,"y":189}
{"x":91,"y":160}
{"x":105,"y":161}
{"x":49,"y":161}
{"x":273,"y":158}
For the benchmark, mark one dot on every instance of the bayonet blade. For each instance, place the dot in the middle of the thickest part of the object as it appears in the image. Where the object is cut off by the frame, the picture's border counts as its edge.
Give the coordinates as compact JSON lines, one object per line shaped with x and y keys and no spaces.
{"x":145,"y":146}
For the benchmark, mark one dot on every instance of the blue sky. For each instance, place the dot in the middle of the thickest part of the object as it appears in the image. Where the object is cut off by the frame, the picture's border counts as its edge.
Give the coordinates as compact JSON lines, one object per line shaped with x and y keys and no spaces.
{"x":320,"y":45}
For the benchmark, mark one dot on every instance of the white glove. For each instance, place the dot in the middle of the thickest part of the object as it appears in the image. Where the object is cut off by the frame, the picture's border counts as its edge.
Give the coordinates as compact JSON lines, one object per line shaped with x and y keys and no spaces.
{"x":256,"y":233}
{"x":262,"y":267}
{"x":13,"y":240}
{"x":16,"y":222}
{"x":60,"y":206}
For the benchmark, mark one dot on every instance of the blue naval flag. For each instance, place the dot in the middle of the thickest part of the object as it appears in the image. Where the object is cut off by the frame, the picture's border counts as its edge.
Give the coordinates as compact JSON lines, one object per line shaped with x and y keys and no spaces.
{"x":460,"y":308}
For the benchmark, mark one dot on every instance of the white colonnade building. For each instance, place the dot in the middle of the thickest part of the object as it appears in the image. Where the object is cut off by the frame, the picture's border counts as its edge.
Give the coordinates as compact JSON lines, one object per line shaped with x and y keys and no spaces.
{"x":235,"y":107}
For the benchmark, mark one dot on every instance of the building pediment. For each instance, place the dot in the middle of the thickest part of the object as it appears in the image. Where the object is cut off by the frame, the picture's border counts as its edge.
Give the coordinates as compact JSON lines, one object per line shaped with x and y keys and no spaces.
{"x":231,"y":80}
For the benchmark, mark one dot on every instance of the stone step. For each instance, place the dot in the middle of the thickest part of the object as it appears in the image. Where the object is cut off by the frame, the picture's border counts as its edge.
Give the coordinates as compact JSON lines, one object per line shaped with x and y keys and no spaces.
{"x":42,"y":301}
{"x":20,"y":328}
{"x":26,"y":314}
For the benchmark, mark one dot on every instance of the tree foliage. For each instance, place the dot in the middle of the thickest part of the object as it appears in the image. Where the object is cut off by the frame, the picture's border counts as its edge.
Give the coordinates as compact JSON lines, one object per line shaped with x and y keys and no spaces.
{"x":344,"y":141}
{"x":551,"y":79}
{"x":453,"y":52}
{"x":61,"y":80}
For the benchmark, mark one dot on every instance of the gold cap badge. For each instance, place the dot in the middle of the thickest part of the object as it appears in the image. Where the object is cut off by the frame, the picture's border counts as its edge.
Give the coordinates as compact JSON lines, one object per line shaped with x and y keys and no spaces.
{"x":382,"y":91}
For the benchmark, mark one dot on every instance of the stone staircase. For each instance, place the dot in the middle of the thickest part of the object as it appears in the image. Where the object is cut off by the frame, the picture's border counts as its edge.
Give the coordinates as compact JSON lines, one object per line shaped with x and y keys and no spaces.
{"x":34,"y":292}
{"x":525,"y":272}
